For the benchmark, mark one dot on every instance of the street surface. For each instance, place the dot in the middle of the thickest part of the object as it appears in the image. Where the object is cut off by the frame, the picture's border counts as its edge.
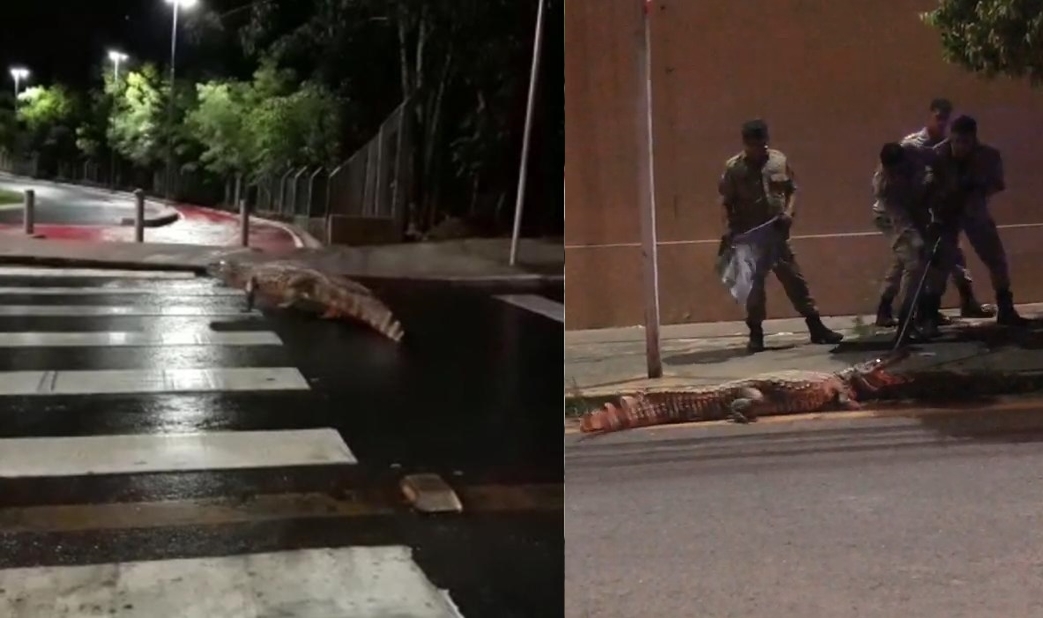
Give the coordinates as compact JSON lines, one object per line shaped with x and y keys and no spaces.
{"x":71,"y":212}
{"x":164,"y":453}
{"x":938,"y":516}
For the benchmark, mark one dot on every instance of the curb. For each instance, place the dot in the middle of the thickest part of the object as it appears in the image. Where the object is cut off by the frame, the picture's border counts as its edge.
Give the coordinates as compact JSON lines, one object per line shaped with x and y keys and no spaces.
{"x":157,"y":221}
{"x":93,"y":263}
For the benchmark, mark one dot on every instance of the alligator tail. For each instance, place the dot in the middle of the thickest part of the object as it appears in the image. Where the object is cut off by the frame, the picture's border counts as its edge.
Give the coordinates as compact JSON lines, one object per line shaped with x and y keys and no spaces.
{"x":650,"y":409}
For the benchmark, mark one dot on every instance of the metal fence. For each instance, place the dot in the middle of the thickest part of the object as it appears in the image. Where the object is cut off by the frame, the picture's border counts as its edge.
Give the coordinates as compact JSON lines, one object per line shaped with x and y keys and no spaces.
{"x":373,"y":183}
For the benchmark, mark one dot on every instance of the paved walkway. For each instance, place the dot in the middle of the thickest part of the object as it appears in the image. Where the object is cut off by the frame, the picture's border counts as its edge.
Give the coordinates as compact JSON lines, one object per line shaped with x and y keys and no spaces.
{"x":609,"y":361}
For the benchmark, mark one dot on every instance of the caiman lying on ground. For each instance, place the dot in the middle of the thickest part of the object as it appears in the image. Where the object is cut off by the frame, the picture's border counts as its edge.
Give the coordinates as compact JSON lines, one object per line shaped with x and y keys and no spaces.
{"x":297,"y":286}
{"x":781,"y":392}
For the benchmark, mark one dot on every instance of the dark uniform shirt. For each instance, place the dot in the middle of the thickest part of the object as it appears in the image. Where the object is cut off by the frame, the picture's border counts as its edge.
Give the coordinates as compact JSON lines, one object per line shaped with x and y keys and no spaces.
{"x":754,"y":192}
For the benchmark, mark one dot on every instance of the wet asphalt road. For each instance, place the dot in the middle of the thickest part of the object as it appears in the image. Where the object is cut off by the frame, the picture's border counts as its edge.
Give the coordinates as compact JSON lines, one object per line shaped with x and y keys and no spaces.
{"x":68,"y":205}
{"x":871,"y":518}
{"x":470,"y":394}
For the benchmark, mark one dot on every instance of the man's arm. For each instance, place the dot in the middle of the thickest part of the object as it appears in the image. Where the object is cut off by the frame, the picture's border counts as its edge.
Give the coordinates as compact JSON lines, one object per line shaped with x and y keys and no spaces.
{"x":994,"y":173}
{"x":729,"y":198}
{"x":791,"y":193}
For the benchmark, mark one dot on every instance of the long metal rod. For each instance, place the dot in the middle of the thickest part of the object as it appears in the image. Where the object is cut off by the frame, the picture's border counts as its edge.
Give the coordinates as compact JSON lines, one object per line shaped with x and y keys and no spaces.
{"x":168,"y":189}
{"x":523,"y":167}
{"x":907,"y":320}
{"x":646,"y":196}
{"x":112,"y":151}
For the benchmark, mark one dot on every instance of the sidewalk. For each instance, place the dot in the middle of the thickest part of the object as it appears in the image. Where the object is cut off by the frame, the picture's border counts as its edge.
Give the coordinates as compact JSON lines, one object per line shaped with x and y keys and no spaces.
{"x":432,"y":262}
{"x":605,"y":363}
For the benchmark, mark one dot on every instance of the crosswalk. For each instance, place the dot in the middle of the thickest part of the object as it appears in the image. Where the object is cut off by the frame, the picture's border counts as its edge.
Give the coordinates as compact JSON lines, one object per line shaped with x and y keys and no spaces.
{"x":133,"y":482}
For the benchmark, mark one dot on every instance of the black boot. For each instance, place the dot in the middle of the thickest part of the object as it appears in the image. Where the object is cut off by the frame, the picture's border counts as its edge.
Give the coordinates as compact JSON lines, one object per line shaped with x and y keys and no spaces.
{"x":819,"y":333}
{"x":756,"y":342}
{"x":929,"y":313}
{"x":969,"y":305}
{"x":1006,"y":314}
{"x":884,"y":317}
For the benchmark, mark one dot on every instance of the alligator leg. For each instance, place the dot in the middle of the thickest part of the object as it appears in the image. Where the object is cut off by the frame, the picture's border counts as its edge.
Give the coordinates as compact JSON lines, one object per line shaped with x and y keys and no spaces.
{"x":847,"y":403}
{"x":251,"y":293}
{"x":294,"y":292}
{"x":744,"y":409}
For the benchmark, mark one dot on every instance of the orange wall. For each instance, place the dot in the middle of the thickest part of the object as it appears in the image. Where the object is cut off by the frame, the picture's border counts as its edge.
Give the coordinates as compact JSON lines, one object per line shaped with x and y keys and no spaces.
{"x":833,"y":78}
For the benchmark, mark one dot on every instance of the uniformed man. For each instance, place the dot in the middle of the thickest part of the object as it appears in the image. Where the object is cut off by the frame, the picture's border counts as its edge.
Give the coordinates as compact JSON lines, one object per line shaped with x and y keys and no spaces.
{"x":758,"y":185}
{"x":933,"y":133}
{"x":969,"y":173}
{"x":900,"y":212}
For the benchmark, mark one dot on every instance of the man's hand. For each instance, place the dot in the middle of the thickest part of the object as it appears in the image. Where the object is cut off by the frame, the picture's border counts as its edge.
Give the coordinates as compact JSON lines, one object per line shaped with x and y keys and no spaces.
{"x":784,"y":222}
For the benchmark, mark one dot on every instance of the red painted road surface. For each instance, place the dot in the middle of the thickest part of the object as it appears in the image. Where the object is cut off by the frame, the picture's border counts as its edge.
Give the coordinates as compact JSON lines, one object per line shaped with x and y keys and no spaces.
{"x":197,"y":226}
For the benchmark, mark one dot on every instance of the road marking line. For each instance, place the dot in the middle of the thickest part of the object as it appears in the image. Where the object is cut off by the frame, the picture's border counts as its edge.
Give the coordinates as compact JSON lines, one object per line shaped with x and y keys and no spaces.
{"x":28,"y":271}
{"x":127,"y":381}
{"x":117,"y":310}
{"x":536,"y":304}
{"x":203,"y":512}
{"x":137,"y":339}
{"x":137,"y":453}
{"x":201,"y":290}
{"x":349,"y":581}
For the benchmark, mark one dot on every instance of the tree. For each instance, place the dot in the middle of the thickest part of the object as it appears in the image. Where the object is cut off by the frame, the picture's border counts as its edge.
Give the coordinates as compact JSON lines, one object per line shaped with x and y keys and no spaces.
{"x":265,"y":125}
{"x":220,"y":124}
{"x":136,"y":129}
{"x":992,"y":37}
{"x":49,"y":116}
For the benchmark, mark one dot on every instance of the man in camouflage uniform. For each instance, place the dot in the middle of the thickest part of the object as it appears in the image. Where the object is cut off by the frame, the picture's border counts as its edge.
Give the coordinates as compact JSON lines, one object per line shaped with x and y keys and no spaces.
{"x":922,"y":142}
{"x":758,"y":185}
{"x":901,"y":213}
{"x":966,"y":173}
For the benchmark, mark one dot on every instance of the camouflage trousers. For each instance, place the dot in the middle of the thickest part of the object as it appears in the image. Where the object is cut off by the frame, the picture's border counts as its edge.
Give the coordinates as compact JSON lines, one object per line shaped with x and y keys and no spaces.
{"x":909,"y":255}
{"x":961,"y":275}
{"x":783,"y":262}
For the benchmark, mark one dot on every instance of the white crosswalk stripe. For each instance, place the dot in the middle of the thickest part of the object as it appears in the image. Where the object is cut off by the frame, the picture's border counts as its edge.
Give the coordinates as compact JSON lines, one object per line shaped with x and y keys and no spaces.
{"x":341,"y":581}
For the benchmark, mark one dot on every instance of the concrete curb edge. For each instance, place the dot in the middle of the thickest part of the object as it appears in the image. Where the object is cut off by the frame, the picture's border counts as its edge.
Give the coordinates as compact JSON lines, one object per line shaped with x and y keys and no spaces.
{"x":67,"y":262}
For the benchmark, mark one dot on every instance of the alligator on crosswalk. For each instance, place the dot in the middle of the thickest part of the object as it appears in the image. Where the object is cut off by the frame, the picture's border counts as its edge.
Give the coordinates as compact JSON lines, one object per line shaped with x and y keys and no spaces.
{"x":293,"y":285}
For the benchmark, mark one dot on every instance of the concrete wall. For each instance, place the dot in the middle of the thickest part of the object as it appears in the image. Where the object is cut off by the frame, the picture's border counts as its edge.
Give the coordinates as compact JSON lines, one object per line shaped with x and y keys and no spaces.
{"x":833,"y":78}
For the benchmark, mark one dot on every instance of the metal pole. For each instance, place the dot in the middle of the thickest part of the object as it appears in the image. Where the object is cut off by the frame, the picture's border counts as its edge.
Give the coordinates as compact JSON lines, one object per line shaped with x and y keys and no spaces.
{"x":646,"y":195}
{"x":139,"y":215}
{"x":523,"y":167}
{"x":244,"y":214}
{"x":170,"y":106}
{"x":29,"y":214}
{"x":112,"y":151}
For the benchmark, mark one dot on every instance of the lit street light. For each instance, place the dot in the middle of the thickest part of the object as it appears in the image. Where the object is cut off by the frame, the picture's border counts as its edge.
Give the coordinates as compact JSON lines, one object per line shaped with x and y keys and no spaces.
{"x":116,"y":58}
{"x":178,"y":5}
{"x":18,"y":73}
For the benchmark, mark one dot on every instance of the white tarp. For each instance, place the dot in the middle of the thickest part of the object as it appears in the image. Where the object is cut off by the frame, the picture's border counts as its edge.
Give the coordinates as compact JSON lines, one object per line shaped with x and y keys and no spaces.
{"x":737,"y":264}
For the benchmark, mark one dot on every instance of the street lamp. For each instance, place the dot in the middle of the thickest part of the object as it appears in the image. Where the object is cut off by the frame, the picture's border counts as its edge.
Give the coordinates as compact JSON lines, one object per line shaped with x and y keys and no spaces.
{"x":18,"y":73}
{"x":116,"y":58}
{"x":178,"y":5}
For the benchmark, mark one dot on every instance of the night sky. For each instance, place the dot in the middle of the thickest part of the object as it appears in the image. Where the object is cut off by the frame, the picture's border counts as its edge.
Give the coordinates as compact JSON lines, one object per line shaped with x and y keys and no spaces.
{"x":66,"y":40}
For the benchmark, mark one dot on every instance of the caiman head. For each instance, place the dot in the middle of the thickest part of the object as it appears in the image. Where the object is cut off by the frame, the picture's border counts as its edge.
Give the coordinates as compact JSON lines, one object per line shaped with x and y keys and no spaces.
{"x":227,"y":271}
{"x":873,"y":375}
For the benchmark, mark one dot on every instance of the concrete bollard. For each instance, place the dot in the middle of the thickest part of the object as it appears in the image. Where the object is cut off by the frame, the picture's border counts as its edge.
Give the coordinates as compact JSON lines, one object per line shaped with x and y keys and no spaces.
{"x":29,"y":214}
{"x":139,"y":215}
